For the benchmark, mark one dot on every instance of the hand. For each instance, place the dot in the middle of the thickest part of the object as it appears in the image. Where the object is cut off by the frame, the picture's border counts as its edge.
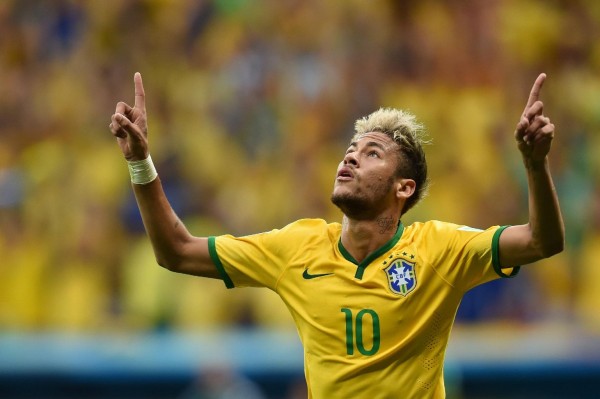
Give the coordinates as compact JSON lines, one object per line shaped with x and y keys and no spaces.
{"x":534,"y":132}
{"x":129,"y":125}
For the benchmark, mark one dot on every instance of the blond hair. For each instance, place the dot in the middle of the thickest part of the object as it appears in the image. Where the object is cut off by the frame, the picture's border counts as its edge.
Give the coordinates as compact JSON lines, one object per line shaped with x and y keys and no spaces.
{"x":402,"y":127}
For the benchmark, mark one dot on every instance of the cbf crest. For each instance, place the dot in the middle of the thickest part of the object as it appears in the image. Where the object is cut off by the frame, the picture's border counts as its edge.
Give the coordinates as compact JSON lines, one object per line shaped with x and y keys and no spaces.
{"x":401,"y":276}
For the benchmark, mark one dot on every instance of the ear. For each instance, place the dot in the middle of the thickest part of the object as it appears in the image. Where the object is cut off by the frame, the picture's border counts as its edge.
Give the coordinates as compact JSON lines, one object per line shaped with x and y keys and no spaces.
{"x":405,"y":188}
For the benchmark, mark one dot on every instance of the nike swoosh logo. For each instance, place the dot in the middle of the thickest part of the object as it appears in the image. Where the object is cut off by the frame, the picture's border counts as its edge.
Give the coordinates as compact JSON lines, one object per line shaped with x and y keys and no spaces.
{"x":307,"y":276}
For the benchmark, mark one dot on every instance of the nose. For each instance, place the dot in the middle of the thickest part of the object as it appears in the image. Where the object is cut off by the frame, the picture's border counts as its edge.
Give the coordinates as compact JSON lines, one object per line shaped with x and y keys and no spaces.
{"x":350,"y":158}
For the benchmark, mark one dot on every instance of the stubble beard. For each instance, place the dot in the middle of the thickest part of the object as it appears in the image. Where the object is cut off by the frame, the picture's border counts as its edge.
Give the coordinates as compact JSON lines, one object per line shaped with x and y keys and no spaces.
{"x":351,"y":205}
{"x":358,"y":206}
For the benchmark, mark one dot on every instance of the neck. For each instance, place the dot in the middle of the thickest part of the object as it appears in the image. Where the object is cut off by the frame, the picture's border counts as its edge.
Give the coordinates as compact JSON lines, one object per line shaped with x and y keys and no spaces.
{"x":361,"y":237}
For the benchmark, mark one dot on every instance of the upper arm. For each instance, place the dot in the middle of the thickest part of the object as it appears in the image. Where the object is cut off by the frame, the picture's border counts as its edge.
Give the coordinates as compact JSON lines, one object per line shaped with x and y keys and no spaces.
{"x":517,"y":247}
{"x":195,"y":259}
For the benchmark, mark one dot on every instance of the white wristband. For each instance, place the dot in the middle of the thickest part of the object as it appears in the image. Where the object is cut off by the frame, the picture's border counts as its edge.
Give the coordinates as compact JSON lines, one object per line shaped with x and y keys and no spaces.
{"x":142,"y":172}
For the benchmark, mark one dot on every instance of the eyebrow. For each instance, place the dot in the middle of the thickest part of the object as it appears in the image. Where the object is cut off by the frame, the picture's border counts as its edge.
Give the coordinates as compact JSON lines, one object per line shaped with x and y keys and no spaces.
{"x":369,"y":144}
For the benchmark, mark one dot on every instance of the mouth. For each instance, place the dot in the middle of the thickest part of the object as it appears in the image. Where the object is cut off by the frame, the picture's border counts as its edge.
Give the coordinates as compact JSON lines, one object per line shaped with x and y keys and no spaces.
{"x":344,"y":174}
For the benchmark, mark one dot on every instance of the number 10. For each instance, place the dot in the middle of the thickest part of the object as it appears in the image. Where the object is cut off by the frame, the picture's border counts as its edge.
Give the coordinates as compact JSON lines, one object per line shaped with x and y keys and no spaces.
{"x":350,"y":332}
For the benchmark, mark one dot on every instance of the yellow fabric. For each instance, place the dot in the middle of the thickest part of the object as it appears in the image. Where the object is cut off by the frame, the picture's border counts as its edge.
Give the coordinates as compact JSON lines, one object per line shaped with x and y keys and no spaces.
{"x":361,"y":337}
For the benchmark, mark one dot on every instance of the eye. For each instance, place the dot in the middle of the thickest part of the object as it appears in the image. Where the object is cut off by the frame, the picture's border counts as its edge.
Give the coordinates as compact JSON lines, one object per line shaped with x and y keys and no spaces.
{"x":374,"y":154}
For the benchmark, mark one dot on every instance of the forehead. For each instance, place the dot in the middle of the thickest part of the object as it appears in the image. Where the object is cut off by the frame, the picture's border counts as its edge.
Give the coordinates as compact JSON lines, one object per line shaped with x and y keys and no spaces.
{"x":374,"y":138}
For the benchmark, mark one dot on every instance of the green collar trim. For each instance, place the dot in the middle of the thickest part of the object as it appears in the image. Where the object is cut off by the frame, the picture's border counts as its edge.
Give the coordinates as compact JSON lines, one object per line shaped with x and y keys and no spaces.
{"x":360,"y":270}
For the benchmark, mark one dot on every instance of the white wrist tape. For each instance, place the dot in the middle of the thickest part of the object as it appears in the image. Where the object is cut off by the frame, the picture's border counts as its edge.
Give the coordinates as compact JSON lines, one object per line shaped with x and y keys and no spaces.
{"x":142,"y":172}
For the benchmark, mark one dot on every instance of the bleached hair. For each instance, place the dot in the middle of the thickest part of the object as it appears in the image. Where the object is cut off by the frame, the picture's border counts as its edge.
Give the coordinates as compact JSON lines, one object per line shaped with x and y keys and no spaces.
{"x":402,"y":127}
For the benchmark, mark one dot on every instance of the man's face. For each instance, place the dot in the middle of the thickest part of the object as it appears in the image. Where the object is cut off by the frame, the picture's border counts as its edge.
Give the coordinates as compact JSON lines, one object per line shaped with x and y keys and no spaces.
{"x":364,"y":184}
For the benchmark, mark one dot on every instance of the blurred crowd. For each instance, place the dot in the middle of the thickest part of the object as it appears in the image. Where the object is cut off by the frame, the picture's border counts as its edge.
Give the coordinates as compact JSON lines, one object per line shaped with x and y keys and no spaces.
{"x":251,"y":104}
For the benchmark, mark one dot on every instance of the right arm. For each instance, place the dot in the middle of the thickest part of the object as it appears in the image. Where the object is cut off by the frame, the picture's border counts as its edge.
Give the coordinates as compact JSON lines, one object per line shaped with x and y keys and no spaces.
{"x":174,"y":247}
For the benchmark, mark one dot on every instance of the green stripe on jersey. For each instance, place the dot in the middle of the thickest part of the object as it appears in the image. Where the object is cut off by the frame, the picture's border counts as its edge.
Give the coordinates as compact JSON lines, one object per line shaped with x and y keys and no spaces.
{"x":212,"y":250}
{"x":496,"y":255}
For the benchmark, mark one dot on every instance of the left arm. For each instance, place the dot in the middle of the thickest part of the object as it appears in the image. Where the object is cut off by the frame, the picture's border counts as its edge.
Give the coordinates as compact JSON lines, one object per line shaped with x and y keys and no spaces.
{"x":544,"y":235}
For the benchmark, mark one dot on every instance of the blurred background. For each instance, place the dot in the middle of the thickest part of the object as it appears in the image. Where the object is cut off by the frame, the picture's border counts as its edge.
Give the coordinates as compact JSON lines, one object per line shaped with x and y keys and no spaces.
{"x":251,"y":105}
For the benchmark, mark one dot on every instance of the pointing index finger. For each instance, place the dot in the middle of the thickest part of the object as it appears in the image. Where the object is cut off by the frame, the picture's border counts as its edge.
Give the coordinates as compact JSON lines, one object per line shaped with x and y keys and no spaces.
{"x":534,"y":95}
{"x":140,"y":96}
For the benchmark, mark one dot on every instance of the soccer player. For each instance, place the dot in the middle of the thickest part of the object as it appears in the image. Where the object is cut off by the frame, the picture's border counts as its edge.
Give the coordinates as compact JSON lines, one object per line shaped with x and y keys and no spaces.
{"x":373,"y":300}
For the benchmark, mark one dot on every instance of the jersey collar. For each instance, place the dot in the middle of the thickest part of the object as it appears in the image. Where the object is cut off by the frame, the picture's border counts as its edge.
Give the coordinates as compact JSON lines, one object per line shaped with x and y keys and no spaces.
{"x":373,"y":255}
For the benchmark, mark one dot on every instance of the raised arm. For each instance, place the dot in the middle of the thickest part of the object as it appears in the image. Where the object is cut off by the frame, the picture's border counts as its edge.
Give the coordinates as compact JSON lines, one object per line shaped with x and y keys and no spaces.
{"x":544,"y":235}
{"x":174,"y":247}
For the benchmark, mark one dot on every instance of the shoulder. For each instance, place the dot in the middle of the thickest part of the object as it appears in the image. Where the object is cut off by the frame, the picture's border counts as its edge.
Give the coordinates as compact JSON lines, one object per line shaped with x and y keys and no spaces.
{"x":311,"y":228}
{"x":431,"y":227}
{"x":308,"y":224}
{"x":304,"y":228}
{"x":281,"y":242}
{"x":436,"y":229}
{"x":298,"y":230}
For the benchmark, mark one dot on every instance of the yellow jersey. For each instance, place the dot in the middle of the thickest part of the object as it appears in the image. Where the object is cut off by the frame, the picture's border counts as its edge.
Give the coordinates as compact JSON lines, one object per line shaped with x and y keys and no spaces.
{"x":374,"y":329}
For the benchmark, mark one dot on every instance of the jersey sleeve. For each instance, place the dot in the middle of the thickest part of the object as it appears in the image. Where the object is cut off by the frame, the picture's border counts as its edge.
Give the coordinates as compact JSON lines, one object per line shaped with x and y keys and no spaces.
{"x":258,"y":260}
{"x":469,"y":256}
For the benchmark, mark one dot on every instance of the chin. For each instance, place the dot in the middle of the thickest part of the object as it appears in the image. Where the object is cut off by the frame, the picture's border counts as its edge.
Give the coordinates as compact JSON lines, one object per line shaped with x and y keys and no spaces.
{"x":351,"y":205}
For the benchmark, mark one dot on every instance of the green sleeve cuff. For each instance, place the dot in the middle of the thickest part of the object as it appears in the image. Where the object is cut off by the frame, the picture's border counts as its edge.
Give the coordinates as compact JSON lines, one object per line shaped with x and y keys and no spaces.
{"x":212,"y":250}
{"x":496,"y":255}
